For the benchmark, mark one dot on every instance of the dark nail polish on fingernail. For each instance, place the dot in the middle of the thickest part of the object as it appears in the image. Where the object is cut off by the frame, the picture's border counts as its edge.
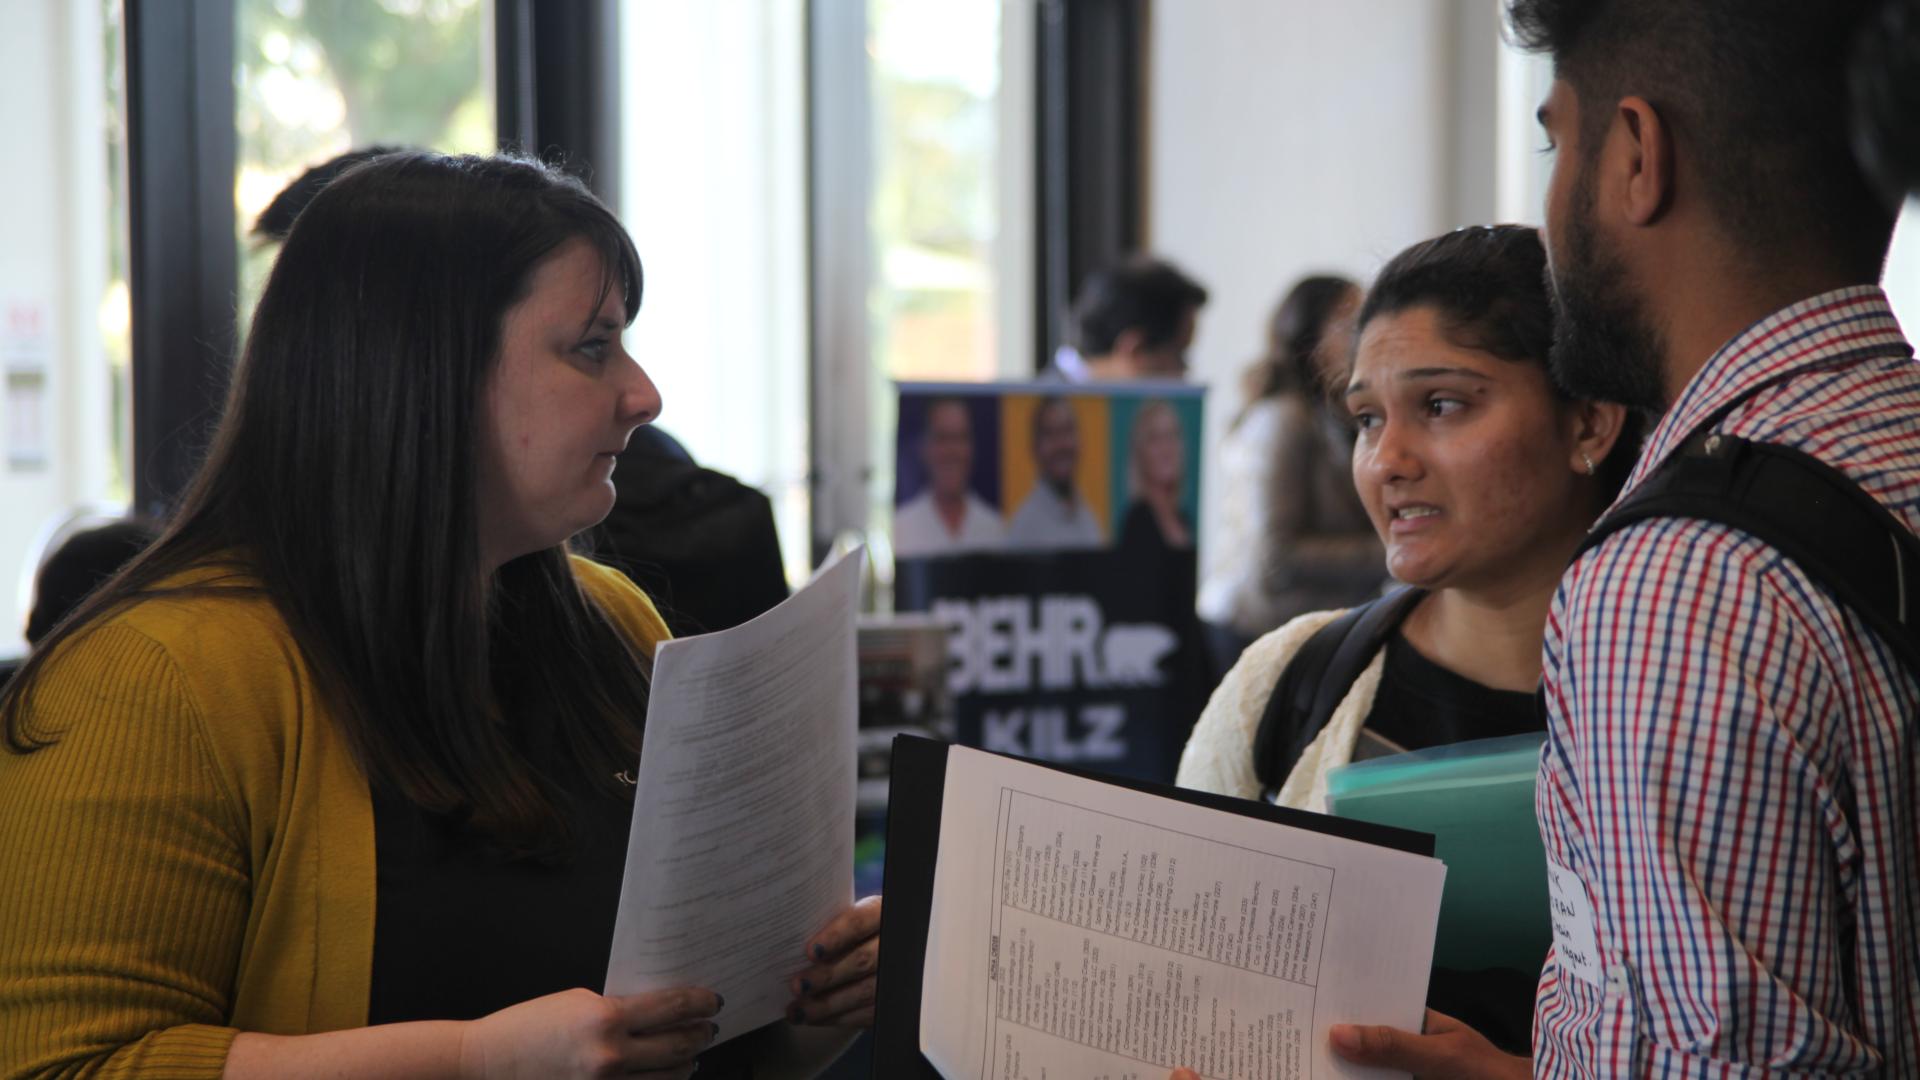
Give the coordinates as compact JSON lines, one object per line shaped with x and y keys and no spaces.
{"x":806,"y":986}
{"x":716,"y":1032}
{"x":799,"y":1015}
{"x":718,"y":1002}
{"x":819,"y":952}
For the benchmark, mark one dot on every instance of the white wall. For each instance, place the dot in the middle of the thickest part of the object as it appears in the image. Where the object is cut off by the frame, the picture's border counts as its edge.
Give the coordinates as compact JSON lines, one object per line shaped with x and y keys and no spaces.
{"x":1294,"y":136}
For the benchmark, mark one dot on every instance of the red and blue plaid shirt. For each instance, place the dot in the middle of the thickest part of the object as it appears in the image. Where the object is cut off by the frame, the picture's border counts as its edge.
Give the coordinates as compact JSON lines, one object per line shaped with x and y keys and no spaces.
{"x":1730,"y":768}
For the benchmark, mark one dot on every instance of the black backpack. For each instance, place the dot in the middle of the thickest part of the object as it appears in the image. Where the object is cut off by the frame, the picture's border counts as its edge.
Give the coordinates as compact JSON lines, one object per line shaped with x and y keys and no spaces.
{"x":702,"y":544}
{"x":1317,"y":679}
{"x":1807,"y":510}
{"x":1800,"y":506}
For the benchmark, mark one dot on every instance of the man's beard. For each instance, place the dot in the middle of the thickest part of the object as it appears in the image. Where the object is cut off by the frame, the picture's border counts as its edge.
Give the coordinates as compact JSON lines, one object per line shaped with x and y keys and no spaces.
{"x":1604,"y":345}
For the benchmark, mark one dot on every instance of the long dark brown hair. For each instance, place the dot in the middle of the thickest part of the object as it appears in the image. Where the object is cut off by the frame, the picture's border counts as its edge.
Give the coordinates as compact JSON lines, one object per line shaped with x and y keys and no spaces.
{"x":1299,"y":323}
{"x":342,"y":485}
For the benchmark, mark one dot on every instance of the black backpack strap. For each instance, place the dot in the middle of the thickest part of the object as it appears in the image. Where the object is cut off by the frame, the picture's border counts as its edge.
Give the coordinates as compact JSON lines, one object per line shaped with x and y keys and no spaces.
{"x":1800,"y":506}
{"x":1317,"y":680}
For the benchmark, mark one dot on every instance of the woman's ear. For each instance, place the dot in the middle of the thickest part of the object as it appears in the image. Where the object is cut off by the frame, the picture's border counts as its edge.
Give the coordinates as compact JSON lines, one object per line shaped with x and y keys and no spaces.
{"x":1596,"y":429}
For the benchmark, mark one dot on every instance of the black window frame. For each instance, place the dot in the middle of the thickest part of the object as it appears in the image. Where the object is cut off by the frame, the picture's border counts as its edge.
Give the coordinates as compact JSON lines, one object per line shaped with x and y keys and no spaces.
{"x":183,"y":265}
{"x":1091,"y":140}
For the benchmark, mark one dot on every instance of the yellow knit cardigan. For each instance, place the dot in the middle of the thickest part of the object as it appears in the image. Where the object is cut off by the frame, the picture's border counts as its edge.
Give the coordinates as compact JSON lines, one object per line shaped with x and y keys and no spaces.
{"x":195,"y":856}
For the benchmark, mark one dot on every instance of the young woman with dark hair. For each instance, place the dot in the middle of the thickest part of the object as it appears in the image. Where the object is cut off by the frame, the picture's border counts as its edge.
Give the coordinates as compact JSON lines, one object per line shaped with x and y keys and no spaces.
{"x":328,"y":780}
{"x":1481,"y":478}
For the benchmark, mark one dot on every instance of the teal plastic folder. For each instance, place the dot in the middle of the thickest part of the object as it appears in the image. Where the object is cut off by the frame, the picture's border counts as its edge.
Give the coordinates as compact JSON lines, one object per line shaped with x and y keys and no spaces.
{"x":1476,"y":798}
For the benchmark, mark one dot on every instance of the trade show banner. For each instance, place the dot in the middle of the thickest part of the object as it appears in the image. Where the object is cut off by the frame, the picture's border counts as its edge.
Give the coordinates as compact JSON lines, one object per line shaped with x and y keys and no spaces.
{"x":1054,"y":528}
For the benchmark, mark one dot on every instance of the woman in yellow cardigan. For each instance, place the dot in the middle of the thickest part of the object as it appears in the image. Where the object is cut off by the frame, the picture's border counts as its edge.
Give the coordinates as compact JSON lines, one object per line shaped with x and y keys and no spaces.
{"x":328,"y":781}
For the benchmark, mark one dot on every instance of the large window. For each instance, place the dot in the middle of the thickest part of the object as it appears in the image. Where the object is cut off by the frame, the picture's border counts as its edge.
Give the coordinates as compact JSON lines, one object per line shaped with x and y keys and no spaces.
{"x":912,"y":249}
{"x":935,"y":79}
{"x":923,"y":211}
{"x":933,"y":87}
{"x":315,"y":78}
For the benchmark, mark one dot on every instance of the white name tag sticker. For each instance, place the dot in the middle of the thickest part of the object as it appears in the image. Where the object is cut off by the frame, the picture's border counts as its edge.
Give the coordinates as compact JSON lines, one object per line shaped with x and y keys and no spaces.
{"x":1574,"y":944}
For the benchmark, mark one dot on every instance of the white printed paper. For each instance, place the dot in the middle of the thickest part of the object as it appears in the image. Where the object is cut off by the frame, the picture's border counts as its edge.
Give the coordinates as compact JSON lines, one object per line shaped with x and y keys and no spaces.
{"x":1083,"y":930}
{"x":1574,"y":944}
{"x":742,"y":839}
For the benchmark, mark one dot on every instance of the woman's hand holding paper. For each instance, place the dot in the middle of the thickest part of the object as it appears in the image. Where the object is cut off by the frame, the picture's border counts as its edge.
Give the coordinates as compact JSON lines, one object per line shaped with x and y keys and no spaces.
{"x":581,"y":1033}
{"x":838,"y":988}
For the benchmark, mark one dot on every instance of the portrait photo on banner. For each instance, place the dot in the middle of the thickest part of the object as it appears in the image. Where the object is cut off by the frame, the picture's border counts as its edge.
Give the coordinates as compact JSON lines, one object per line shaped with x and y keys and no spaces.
{"x":1057,"y":472}
{"x":947,"y":488}
{"x":1156,"y":469}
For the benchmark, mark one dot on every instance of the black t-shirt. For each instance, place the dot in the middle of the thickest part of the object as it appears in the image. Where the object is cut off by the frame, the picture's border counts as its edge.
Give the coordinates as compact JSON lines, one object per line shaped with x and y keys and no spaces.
{"x":460,"y":932}
{"x":1421,"y":704}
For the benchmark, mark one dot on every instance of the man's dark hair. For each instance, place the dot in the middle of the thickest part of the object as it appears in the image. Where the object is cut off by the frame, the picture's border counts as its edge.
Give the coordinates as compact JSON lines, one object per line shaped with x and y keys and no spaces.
{"x":1886,"y":97}
{"x":276,"y":221}
{"x":1488,"y":285}
{"x":1149,"y":295}
{"x":1755,"y":93}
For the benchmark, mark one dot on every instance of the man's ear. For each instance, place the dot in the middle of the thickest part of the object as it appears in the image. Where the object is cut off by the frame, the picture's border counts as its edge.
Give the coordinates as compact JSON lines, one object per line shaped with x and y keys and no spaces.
{"x":1129,"y":343}
{"x":1643,"y":152}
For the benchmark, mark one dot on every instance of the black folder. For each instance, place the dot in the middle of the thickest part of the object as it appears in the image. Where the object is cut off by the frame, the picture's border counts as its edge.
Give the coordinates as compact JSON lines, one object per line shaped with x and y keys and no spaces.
{"x":917,"y":787}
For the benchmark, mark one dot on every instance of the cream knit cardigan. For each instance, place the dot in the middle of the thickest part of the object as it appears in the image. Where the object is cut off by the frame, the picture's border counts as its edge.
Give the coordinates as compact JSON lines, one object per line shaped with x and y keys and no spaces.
{"x":1219,"y":754}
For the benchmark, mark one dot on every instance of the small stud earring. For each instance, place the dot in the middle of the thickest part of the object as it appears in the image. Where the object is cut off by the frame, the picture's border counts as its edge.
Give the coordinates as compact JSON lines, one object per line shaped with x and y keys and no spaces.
{"x":1589,"y":463}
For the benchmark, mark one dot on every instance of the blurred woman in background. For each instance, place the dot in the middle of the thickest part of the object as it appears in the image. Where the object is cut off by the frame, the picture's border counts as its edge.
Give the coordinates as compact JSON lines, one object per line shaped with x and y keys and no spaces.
{"x":1293,"y":536}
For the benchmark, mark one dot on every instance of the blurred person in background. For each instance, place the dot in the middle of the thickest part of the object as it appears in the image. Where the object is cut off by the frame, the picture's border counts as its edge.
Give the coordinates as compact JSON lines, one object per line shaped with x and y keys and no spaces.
{"x":1293,"y":535}
{"x":1133,"y":320}
{"x":76,"y":566}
